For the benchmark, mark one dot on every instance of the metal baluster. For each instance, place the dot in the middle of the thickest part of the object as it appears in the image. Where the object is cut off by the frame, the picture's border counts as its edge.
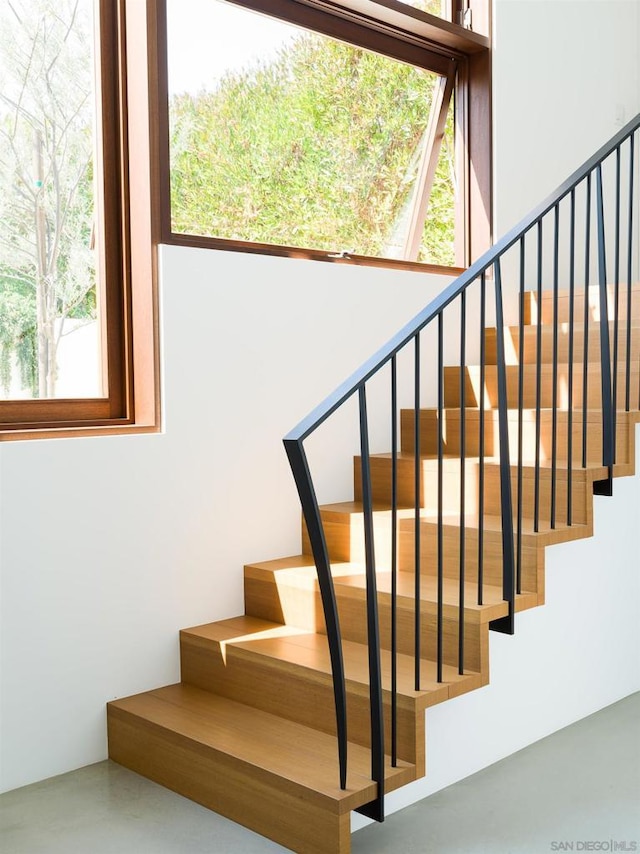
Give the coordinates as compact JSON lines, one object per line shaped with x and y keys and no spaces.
{"x":554,"y":392}
{"x":463,"y":362}
{"x":440,"y":496}
{"x":585,"y":349}
{"x":520,"y":415}
{"x":394,"y":563}
{"x":483,"y":282}
{"x":375,"y":809}
{"x":536,"y":484}
{"x":572,"y":281}
{"x":417,"y":489}
{"x":627,"y":400}
{"x":505,"y":624}
{"x":604,"y":487}
{"x":616,"y":308}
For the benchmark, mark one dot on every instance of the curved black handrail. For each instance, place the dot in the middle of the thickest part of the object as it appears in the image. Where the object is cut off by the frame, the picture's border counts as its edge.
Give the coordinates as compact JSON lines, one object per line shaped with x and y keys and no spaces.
{"x":294,"y":440}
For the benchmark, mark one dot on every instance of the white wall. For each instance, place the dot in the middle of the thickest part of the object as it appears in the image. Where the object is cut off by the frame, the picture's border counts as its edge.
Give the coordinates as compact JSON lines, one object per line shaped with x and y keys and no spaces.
{"x":109,"y":545}
{"x":566,"y":77}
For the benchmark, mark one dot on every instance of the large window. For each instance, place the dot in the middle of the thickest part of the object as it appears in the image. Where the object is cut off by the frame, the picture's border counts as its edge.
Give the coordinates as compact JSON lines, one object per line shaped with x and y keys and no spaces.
{"x":71,"y":326}
{"x":351,"y":131}
{"x":336,"y":131}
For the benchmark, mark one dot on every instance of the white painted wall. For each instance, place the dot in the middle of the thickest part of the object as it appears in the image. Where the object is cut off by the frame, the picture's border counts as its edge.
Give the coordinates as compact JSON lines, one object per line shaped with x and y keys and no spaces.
{"x":566,"y":77}
{"x":109,"y":545}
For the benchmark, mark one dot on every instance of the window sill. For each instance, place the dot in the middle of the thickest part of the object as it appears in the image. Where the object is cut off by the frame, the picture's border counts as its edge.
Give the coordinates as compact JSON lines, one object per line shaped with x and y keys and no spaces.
{"x":74,"y":432}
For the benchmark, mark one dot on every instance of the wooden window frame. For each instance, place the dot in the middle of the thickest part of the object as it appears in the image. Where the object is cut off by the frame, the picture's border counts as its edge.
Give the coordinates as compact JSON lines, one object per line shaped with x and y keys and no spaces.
{"x":392,"y":28}
{"x":128,"y":142}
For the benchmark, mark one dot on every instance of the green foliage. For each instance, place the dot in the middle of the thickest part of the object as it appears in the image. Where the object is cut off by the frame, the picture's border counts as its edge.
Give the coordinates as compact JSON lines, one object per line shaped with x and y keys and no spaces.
{"x":316,"y":148}
{"x":17,"y":329}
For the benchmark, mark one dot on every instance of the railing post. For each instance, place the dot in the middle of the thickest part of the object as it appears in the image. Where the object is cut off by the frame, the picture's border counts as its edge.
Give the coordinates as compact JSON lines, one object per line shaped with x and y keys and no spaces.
{"x":374,"y":809}
{"x":605,"y":486}
{"x":394,"y":563}
{"x":505,"y":624}
{"x":302,"y":476}
{"x":417,"y":479}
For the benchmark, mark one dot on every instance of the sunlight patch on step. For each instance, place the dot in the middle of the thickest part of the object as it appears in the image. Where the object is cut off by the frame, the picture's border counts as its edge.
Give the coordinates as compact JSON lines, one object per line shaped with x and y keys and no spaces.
{"x":265,"y":634}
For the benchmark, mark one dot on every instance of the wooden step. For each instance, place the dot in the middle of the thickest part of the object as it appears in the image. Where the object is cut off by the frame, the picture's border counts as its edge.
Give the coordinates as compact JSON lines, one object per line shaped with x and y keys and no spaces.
{"x":277,"y":587}
{"x":548,"y":493}
{"x":530,"y":343}
{"x":453,"y":535}
{"x":381,"y":467}
{"x":381,"y":481}
{"x":593,"y":301}
{"x":272,"y":775}
{"x":287,"y":671}
{"x":529,"y":372}
{"x":625,"y":430}
{"x":344,"y":531}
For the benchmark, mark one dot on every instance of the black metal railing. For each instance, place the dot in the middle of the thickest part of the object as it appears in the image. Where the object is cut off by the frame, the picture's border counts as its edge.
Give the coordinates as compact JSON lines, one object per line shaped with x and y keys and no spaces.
{"x":564,"y":242}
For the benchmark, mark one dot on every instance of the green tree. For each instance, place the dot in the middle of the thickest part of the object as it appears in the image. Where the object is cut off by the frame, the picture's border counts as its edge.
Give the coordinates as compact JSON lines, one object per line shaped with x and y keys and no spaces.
{"x":46,"y":196}
{"x":316,"y":148}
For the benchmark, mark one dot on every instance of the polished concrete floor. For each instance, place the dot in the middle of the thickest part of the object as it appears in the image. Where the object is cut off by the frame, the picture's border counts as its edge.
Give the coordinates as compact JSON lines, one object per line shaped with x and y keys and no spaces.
{"x":577,"y":790}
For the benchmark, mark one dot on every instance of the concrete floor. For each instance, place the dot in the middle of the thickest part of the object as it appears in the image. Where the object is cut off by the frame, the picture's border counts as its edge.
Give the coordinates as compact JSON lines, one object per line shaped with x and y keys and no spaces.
{"x":578,"y":789}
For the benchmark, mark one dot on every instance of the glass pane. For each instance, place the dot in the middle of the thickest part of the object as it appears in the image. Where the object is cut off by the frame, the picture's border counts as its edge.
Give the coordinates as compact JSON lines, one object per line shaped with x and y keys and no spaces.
{"x":287,"y":137}
{"x":49,"y":337}
{"x":441,"y":8}
{"x":438,"y":243}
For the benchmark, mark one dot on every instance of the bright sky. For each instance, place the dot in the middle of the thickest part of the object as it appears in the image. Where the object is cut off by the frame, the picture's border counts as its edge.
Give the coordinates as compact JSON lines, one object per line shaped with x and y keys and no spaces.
{"x":207,"y":37}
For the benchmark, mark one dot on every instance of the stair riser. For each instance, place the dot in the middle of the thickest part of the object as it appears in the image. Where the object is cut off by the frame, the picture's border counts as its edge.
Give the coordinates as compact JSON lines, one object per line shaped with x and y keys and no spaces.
{"x":530,"y":348}
{"x":581,"y":492}
{"x":346,"y":543}
{"x":531,"y":561}
{"x":264,"y":599}
{"x":352,"y":613}
{"x":344,"y":535}
{"x":451,"y":433}
{"x":381,"y":476}
{"x":296,"y":693}
{"x":547,"y":311}
{"x":381,"y":483}
{"x":347,"y":539}
{"x":451,"y":437}
{"x":473,"y":387}
{"x":227,"y":786}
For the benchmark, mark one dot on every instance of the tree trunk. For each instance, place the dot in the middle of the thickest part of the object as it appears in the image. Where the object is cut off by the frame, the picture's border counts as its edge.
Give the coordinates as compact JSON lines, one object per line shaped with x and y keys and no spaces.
{"x":45,"y":311}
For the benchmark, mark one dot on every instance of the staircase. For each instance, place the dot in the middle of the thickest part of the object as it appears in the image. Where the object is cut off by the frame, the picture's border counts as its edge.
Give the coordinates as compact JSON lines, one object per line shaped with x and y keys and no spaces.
{"x":312,"y":703}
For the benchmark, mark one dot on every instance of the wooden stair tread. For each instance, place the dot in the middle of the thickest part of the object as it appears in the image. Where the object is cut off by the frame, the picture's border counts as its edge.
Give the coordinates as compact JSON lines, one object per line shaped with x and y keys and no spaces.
{"x":548,"y":340}
{"x":351,"y":576}
{"x":563,"y":326}
{"x":307,"y":649}
{"x":491,"y":523}
{"x":303,"y":758}
{"x":529,"y":414}
{"x":546,"y":368}
{"x":594,"y":290}
{"x":451,"y":461}
{"x":547,"y":534}
{"x":493,"y":608}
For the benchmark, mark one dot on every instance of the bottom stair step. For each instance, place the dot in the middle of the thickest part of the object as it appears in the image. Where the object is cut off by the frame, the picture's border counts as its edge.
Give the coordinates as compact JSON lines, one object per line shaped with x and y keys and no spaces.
{"x":277,"y":777}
